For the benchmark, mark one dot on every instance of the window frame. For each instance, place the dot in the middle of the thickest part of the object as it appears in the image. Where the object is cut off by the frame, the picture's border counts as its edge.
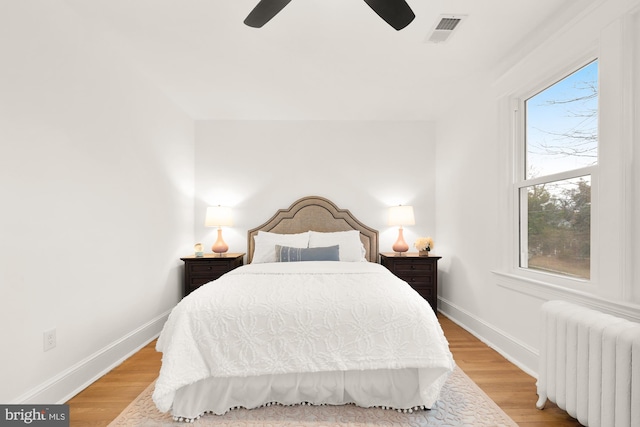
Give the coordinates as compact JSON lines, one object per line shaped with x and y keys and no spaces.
{"x":614,"y":257}
{"x":520,"y":181}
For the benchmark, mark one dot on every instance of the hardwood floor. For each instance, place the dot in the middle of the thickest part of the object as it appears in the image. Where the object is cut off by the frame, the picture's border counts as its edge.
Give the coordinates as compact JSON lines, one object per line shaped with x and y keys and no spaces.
{"x":102,"y":401}
{"x":510,"y":387}
{"x":507,"y":385}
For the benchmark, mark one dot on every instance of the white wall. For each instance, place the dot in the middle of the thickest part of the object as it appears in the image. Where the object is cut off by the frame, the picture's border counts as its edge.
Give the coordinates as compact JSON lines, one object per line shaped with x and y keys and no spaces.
{"x":262,"y":166}
{"x":96,"y":184}
{"x":474,"y":172}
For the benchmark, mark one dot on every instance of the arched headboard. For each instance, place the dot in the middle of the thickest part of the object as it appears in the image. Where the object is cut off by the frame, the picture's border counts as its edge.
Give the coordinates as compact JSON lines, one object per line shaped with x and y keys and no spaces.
{"x":316,"y":214}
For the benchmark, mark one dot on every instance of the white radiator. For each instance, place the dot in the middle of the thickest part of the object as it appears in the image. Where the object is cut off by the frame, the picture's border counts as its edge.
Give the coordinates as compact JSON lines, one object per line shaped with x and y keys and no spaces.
{"x":590,"y":365}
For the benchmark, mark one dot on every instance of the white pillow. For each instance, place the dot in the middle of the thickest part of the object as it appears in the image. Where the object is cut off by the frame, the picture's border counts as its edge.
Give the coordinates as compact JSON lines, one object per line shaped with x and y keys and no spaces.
{"x":265,"y":244}
{"x":351,"y":247}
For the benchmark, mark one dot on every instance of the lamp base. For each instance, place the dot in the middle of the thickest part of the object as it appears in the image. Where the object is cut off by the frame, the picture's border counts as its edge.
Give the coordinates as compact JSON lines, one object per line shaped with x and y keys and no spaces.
{"x":400,"y":245}
{"x":220,"y":247}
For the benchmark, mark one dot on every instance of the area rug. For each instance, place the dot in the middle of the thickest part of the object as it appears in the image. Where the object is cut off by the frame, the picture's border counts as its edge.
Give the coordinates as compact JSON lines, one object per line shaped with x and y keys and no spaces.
{"x":461,"y":403}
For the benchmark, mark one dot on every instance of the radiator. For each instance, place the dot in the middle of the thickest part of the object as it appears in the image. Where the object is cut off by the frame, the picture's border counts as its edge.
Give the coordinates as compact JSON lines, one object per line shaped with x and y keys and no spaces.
{"x":589,"y":365}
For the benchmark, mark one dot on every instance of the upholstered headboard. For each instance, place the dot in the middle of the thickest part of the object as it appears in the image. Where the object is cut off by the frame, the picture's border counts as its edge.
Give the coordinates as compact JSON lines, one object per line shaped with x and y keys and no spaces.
{"x":316,"y":214}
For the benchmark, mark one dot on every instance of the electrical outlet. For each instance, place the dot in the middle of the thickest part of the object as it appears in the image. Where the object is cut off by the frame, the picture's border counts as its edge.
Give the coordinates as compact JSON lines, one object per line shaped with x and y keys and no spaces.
{"x":49,"y":339}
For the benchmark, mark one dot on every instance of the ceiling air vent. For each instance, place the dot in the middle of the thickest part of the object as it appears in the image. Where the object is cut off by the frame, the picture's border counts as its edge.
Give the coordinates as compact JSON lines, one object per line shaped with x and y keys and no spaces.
{"x":444,"y":28}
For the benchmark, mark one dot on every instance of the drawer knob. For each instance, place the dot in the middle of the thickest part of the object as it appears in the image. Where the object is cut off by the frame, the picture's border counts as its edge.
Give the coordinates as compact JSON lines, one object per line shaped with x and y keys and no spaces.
{"x":413,"y":267}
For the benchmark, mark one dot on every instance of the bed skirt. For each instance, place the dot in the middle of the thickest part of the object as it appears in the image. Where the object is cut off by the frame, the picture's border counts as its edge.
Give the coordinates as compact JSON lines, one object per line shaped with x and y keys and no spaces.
{"x":403,"y":389}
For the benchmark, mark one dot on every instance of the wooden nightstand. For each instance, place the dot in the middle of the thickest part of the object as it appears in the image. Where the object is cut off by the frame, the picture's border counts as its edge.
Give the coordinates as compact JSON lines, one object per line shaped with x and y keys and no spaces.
{"x":421,"y":272}
{"x":201,"y":270}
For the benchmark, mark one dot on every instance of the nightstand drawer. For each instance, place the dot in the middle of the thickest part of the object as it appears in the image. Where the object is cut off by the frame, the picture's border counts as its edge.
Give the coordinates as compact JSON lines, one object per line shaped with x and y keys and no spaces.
{"x":195,"y":282}
{"x":208,"y":269}
{"x":426,"y":292}
{"x":416,"y":280}
{"x":409,"y":266}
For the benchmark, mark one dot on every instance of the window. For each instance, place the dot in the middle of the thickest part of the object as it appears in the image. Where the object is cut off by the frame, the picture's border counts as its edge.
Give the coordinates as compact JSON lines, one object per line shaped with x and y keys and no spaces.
{"x":559,"y":158}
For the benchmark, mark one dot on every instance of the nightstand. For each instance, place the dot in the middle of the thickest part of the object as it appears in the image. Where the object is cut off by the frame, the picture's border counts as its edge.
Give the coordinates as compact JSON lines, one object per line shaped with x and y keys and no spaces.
{"x":421,"y":272}
{"x":201,"y":270}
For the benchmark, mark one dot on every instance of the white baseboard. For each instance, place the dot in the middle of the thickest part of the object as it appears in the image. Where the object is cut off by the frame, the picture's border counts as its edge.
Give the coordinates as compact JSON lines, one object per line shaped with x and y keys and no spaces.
{"x":70,"y":382}
{"x":515,"y":351}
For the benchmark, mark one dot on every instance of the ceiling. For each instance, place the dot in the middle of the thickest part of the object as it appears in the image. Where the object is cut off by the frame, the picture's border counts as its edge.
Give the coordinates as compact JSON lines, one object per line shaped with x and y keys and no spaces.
{"x":317,"y":59}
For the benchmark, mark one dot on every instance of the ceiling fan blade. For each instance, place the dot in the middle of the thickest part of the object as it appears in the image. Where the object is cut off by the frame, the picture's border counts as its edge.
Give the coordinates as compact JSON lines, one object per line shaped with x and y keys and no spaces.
{"x":264,"y":11}
{"x":396,"y":13}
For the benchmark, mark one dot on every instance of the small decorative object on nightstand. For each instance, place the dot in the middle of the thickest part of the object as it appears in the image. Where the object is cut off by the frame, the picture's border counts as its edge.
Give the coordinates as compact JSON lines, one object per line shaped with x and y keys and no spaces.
{"x":420,"y":272}
{"x":198,"y":250}
{"x":201,"y":270}
{"x":424,"y":245}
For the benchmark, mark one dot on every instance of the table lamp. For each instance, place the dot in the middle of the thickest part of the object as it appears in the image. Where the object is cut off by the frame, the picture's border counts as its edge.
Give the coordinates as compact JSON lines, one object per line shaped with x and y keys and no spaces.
{"x":218,"y":216}
{"x":401,"y":215}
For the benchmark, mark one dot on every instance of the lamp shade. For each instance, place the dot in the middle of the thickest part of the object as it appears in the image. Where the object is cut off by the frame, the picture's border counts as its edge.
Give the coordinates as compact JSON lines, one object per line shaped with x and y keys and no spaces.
{"x":218,"y":216}
{"x":401,"y":215}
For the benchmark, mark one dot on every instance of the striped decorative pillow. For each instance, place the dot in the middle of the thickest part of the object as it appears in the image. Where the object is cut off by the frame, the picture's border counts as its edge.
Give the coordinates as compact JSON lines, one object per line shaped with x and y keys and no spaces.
{"x":289,"y":254}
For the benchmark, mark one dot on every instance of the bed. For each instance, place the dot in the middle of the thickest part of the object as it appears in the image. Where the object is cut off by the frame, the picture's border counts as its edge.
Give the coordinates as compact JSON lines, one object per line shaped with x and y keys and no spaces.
{"x":333,"y":328}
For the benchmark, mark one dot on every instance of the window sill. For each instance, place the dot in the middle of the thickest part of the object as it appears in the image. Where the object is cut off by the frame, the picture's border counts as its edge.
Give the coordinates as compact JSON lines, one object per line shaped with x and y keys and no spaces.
{"x":547,"y":291}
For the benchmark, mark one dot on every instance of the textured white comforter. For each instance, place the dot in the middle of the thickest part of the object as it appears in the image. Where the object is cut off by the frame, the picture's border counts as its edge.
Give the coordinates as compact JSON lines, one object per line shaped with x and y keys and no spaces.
{"x":298,"y":317}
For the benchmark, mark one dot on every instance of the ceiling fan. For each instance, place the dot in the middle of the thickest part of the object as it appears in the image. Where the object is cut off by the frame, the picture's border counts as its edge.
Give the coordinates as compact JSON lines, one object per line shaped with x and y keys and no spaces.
{"x":396,"y":13}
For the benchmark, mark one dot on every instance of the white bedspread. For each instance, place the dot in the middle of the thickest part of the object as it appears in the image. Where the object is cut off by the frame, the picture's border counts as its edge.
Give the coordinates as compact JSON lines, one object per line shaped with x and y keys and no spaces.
{"x":298,"y":317}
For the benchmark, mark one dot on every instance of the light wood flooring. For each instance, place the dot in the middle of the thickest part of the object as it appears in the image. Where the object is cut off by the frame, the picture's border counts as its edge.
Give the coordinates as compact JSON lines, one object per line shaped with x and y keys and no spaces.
{"x":512,"y":389}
